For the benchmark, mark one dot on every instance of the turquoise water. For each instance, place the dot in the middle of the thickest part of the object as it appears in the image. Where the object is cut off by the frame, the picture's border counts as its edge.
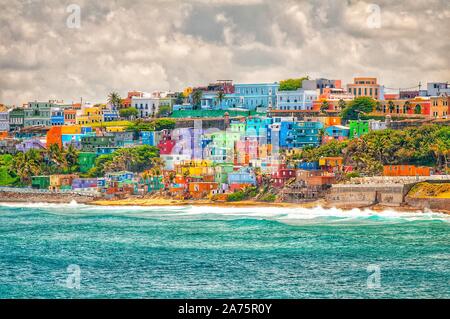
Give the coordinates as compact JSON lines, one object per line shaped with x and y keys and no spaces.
{"x":209,"y":252}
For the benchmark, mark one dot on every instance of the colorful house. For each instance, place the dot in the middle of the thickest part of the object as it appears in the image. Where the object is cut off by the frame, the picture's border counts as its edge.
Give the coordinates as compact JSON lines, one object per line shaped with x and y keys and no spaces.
{"x":40,"y":182}
{"x":406,"y":170}
{"x":358,"y":128}
{"x":61,"y":182}
{"x":244,"y":175}
{"x":85,"y":184}
{"x":336,"y":132}
{"x":305,"y":133}
{"x":280,"y":177}
{"x":199,"y":190}
{"x":331,"y":164}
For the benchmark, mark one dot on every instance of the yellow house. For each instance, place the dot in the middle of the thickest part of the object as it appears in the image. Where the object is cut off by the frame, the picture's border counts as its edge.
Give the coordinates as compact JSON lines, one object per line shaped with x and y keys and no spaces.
{"x":195,"y":168}
{"x":89,"y":115}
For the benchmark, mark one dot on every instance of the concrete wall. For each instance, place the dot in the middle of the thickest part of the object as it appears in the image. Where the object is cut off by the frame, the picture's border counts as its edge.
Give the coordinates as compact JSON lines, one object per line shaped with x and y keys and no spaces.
{"x":390,"y":195}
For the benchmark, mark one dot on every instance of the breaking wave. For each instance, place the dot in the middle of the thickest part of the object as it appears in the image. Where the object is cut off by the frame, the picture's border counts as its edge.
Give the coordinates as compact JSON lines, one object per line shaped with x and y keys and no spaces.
{"x":291,"y":215}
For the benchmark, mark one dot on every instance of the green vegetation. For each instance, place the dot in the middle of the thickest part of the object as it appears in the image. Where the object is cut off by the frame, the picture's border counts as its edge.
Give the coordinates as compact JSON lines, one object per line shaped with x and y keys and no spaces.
{"x":111,"y":123}
{"x":129,"y":112}
{"x":358,"y":106}
{"x":292,"y":84}
{"x":134,"y":159}
{"x":269,"y":198}
{"x":428,"y":145}
{"x":312,"y":154}
{"x":164,"y":111}
{"x":155,"y":125}
{"x":7,"y":177}
{"x":247,"y":193}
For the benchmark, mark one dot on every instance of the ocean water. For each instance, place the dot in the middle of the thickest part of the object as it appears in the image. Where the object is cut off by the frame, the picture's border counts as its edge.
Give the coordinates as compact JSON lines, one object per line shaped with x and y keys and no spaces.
{"x":78,"y":251}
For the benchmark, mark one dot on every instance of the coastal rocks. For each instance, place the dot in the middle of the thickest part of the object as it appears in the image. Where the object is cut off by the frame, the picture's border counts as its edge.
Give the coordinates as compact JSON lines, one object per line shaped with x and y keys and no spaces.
{"x":58,"y":198}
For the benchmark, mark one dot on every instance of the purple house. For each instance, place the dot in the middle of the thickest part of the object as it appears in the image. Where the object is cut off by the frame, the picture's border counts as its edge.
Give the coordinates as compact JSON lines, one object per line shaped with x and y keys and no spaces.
{"x":30,"y":144}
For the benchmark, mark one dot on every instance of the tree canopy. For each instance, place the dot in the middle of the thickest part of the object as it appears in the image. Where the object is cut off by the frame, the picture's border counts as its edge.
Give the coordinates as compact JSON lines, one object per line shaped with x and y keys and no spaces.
{"x":359,"y":105}
{"x":291,"y":84}
{"x":128,"y":112}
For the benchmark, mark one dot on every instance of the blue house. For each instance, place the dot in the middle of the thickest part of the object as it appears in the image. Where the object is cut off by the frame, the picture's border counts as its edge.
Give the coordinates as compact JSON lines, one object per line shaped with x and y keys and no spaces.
{"x":279,"y":132}
{"x":251,"y":96}
{"x":309,"y":166}
{"x":110,"y":115}
{"x":147,"y":138}
{"x":244,"y":176}
{"x":57,"y":117}
{"x":305,"y":133}
{"x":337,"y":132}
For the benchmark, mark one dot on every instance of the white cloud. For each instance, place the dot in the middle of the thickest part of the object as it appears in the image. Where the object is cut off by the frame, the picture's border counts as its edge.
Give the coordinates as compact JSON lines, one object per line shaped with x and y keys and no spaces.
{"x":151,"y":45}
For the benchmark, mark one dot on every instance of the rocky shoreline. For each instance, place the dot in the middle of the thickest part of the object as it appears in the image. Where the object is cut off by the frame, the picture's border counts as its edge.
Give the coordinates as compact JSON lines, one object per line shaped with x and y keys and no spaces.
{"x":62,"y":198}
{"x":54,"y":198}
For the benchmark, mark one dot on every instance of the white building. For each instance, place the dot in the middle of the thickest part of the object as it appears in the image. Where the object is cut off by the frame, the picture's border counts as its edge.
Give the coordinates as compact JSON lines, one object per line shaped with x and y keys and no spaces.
{"x":438,"y":89}
{"x":4,"y":120}
{"x":147,"y":104}
{"x":295,"y":100}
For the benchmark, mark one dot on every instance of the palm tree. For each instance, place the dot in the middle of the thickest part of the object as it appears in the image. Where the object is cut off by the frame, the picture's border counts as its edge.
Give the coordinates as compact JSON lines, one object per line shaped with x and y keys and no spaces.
{"x":25,"y":165}
{"x":114,"y":100}
{"x":220,"y":96}
{"x":56,"y":156}
{"x":71,"y":154}
{"x":197,"y":98}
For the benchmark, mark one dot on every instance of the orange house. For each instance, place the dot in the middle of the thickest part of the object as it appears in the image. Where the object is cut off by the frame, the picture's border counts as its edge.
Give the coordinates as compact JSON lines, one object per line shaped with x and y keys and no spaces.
{"x":201,"y":189}
{"x":3,"y":135}
{"x":54,"y":134}
{"x":406,"y":170}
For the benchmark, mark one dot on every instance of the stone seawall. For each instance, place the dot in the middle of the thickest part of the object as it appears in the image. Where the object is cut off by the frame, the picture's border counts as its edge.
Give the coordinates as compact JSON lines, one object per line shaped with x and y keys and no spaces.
{"x":58,"y":198}
{"x":363,"y":195}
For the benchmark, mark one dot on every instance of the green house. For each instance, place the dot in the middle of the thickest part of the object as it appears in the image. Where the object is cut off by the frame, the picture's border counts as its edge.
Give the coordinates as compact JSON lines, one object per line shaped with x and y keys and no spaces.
{"x":86,"y":161}
{"x":154,"y":183}
{"x":40,"y":182}
{"x":16,"y":118}
{"x":358,"y":128}
{"x":221,"y":171}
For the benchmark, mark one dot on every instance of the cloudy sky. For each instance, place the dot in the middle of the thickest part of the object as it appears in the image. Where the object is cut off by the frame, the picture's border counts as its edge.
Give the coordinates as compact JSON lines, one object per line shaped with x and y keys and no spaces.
{"x":160,"y":45}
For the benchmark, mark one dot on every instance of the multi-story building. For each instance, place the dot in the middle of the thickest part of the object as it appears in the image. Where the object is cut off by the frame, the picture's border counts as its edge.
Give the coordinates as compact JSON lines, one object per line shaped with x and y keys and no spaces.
{"x":89,"y":115}
{"x":298,"y":100}
{"x":38,"y":113}
{"x":70,"y":115}
{"x":321,"y":84}
{"x":57,"y":116}
{"x":252,"y":96}
{"x":305,"y":133}
{"x":126,"y":102}
{"x":427,"y":107}
{"x":365,"y":86}
{"x":438,"y":89}
{"x":4,"y":119}
{"x":16,"y":118}
{"x":147,"y":105}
